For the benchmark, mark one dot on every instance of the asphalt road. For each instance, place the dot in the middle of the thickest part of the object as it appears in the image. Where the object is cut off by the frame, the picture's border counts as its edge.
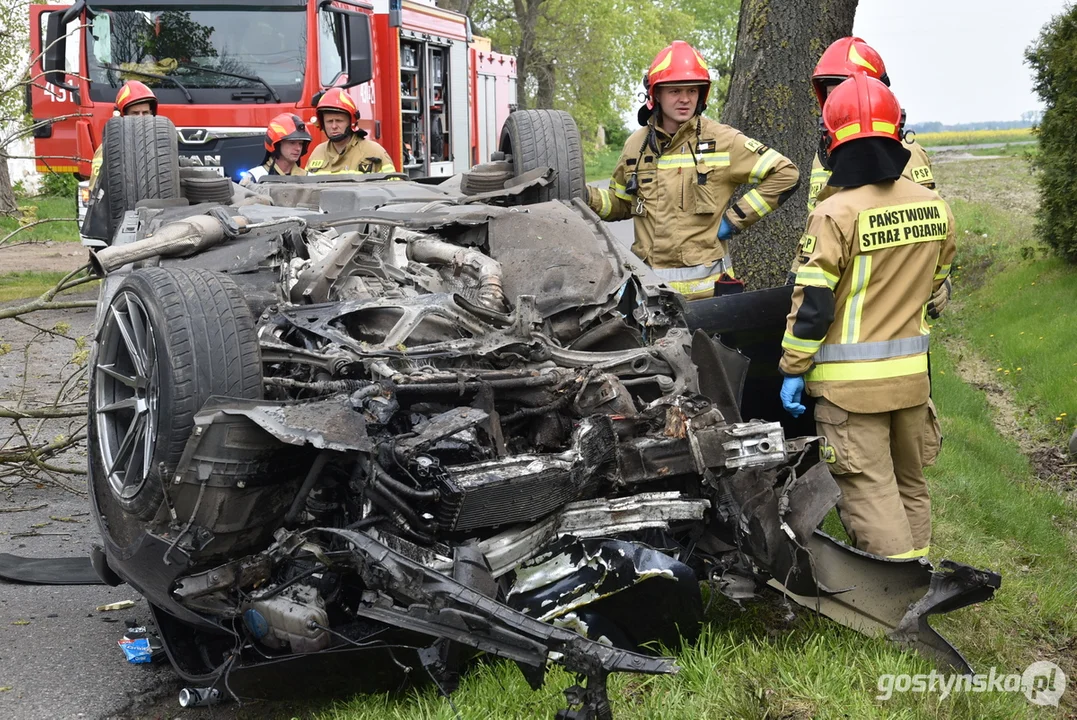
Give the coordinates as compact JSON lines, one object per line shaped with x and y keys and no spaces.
{"x":58,"y":655}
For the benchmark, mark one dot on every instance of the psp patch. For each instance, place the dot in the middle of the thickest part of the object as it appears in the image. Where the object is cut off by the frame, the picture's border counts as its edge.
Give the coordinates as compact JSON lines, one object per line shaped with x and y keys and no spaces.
{"x":923,"y":174}
{"x":807,"y":244}
{"x":754,"y":146}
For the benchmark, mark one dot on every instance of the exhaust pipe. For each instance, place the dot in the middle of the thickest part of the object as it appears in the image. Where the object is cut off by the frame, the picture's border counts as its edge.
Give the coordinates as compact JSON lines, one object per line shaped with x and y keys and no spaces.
{"x":176,"y":239}
{"x":484,"y":268}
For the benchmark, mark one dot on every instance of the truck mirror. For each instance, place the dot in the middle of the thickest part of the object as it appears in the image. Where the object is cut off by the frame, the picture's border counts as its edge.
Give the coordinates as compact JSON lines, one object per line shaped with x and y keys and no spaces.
{"x":360,"y":55}
{"x":54,"y":60}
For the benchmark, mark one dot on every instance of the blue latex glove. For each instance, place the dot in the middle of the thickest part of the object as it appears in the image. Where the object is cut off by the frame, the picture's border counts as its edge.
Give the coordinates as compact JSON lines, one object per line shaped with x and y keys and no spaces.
{"x":791,"y":389}
{"x":726,"y":230}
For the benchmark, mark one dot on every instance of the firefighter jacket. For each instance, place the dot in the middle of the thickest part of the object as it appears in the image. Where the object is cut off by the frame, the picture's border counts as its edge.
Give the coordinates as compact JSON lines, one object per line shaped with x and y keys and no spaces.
{"x":95,"y":166}
{"x":360,"y":156}
{"x":858,"y":330}
{"x":676,"y":189}
{"x":918,"y":169}
{"x":269,"y":167}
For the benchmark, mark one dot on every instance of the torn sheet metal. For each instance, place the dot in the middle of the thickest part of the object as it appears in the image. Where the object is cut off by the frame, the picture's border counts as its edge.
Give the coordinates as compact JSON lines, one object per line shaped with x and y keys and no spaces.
{"x":892,"y":598}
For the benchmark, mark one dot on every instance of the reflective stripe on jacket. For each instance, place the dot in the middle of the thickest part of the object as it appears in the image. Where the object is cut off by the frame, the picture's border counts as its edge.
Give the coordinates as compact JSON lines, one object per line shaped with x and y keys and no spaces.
{"x":858,"y":329}
{"x":360,"y":156}
{"x":683,"y":189}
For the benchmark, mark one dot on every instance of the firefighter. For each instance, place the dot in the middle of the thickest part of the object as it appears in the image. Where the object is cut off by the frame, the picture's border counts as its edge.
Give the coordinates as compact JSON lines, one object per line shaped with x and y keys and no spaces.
{"x":677,"y":173}
{"x":286,"y":141}
{"x":843,"y":58}
{"x":347,"y":150}
{"x":856,"y":338}
{"x":134,"y":98}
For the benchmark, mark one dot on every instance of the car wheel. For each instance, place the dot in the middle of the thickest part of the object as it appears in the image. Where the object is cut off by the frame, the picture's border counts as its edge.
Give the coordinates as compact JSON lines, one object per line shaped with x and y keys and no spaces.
{"x":546,"y":138}
{"x":169,"y":339}
{"x":141,"y":162}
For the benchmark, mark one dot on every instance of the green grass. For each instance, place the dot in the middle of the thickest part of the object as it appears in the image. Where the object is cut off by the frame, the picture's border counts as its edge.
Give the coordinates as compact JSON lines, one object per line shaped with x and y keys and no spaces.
{"x":40,"y":208}
{"x":29,"y":284}
{"x":602,"y":164}
{"x":1020,"y":319}
{"x":1017,"y":302}
{"x":974,"y":137}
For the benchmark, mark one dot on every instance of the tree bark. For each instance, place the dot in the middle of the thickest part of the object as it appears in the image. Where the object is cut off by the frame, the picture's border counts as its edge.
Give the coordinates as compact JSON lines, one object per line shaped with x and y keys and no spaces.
{"x":8,"y":205}
{"x":771,"y":100}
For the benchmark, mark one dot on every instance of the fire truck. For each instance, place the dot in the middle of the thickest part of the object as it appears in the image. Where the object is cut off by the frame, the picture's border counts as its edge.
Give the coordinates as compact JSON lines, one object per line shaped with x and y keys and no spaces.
{"x":432,"y":94}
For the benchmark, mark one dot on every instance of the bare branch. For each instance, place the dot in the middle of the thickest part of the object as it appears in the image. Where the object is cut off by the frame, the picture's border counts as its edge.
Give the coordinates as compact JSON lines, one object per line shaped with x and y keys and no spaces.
{"x":21,"y":228}
{"x":72,"y":410}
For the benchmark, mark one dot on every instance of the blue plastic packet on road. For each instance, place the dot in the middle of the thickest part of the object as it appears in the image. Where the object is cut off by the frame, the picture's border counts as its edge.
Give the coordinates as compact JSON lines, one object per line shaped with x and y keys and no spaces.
{"x":137,"y":650}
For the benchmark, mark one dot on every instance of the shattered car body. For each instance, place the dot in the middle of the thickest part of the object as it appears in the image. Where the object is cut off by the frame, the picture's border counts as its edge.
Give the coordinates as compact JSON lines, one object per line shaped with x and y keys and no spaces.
{"x":440,"y":423}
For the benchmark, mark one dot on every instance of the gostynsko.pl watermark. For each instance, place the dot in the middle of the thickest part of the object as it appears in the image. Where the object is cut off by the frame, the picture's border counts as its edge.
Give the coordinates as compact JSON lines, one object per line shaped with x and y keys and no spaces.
{"x":1042,"y":682}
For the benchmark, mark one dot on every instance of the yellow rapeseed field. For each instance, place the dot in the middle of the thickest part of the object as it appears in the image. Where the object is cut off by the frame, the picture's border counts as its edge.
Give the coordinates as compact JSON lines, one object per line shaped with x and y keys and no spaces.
{"x":974,"y":137}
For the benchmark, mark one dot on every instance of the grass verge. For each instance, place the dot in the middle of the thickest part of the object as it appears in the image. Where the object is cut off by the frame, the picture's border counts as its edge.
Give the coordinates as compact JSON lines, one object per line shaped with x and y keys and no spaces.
{"x":28,"y":284}
{"x":1016,"y":302}
{"x":42,"y":208}
{"x":602,"y":164}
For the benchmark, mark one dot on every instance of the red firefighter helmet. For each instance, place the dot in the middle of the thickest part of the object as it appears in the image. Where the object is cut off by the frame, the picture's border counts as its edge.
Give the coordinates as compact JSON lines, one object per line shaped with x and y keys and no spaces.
{"x":860,"y":107}
{"x":678,"y":64}
{"x":132,"y":93}
{"x":336,"y":100}
{"x":846,"y":56}
{"x":286,"y":126}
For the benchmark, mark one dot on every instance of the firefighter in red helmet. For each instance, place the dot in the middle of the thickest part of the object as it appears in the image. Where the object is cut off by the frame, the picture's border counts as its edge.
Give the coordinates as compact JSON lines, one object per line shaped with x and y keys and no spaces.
{"x":856,"y":340}
{"x":845,"y":57}
{"x":678,"y":172}
{"x":347,"y":150}
{"x":286,"y":141}
{"x":134,"y":98}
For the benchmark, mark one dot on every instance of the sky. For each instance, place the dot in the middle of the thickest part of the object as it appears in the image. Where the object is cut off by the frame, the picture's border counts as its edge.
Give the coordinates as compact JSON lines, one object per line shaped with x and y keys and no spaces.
{"x":957,"y":61}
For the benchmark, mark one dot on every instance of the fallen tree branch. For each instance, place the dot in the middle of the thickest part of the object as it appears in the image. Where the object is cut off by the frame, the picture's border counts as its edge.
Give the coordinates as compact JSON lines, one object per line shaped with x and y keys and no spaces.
{"x":18,"y":230}
{"x":28,"y":508}
{"x":46,"y":301}
{"x":53,"y":412}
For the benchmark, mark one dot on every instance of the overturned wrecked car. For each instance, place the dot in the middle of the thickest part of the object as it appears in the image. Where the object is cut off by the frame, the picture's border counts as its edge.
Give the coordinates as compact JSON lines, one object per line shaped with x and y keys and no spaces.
{"x":369,"y":422}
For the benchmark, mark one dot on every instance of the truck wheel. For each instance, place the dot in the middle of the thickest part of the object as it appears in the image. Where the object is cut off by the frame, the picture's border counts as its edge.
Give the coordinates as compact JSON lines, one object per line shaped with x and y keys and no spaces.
{"x":169,"y":339}
{"x":546,"y":138}
{"x":141,"y":162}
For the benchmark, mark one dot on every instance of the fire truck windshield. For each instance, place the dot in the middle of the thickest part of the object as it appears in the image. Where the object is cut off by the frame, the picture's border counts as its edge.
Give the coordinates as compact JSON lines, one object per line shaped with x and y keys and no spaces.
{"x":220,"y":55}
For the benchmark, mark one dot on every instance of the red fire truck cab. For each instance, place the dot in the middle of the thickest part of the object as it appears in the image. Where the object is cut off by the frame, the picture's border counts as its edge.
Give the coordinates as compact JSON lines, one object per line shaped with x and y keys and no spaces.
{"x":434,"y":98}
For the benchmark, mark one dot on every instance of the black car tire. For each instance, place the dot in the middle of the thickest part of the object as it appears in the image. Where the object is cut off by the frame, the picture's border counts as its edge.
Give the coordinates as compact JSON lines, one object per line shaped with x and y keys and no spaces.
{"x":140,"y":162}
{"x":546,"y":138}
{"x":169,"y":339}
{"x":208,"y":187}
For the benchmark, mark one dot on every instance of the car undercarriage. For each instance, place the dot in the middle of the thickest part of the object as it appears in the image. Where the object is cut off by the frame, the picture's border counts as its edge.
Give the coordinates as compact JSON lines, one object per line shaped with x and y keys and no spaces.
{"x":367,"y":421}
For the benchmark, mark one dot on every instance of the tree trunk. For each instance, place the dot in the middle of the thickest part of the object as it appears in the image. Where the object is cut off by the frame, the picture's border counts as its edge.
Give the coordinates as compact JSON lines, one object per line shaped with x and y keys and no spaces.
{"x":771,"y":99}
{"x":8,"y":206}
{"x":527,"y":55}
{"x":546,"y":76}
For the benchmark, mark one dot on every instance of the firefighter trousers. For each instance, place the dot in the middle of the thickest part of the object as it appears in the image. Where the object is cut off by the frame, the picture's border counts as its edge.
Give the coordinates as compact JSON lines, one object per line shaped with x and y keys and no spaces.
{"x":878,"y":462}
